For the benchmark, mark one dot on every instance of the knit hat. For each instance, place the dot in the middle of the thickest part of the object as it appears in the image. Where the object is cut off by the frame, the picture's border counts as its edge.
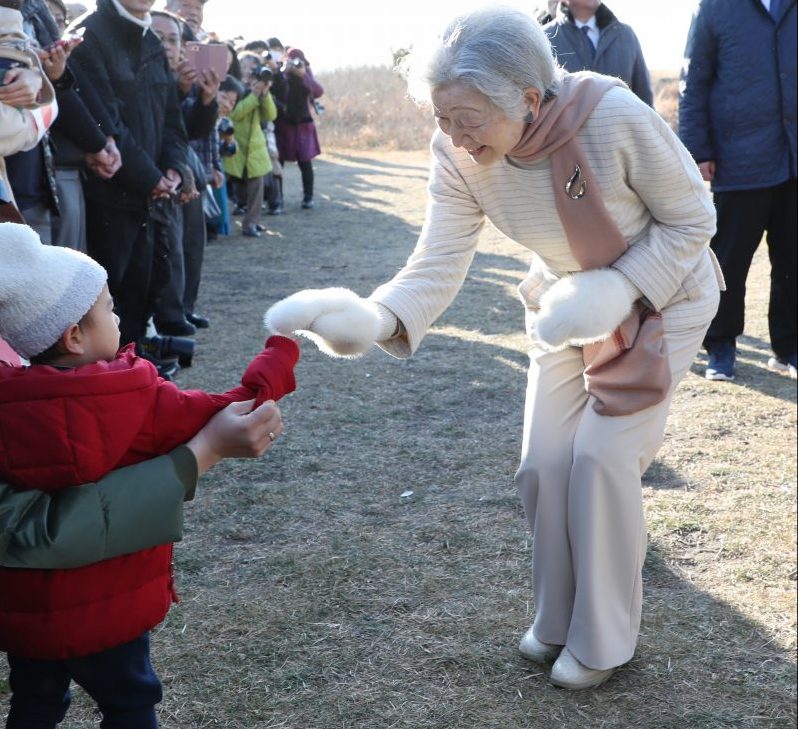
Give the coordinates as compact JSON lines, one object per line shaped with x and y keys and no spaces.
{"x":43,"y":289}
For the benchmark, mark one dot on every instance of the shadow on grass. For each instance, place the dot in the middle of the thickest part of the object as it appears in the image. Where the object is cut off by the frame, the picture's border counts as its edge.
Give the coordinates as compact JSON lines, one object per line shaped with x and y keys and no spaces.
{"x":373,"y":571}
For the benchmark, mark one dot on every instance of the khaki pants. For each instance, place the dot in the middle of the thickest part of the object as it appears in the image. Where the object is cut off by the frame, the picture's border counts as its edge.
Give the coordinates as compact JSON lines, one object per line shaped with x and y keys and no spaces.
{"x":580,"y":483}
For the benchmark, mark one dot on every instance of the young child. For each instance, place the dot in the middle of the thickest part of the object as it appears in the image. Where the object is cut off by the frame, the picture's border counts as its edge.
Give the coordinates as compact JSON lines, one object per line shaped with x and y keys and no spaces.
{"x":78,"y":411}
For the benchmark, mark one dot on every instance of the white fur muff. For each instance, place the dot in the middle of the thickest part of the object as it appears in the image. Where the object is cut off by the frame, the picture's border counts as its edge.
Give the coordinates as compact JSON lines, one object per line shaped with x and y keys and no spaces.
{"x":337,"y":320}
{"x":584,"y":307}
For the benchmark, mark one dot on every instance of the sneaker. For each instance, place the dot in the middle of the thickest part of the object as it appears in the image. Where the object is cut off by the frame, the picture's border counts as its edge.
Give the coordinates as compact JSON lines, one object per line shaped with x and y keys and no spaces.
{"x":278,"y":210}
{"x":239,"y":210}
{"x":252,"y":232}
{"x":307,"y":202}
{"x":785,"y":365}
{"x":721,"y":361}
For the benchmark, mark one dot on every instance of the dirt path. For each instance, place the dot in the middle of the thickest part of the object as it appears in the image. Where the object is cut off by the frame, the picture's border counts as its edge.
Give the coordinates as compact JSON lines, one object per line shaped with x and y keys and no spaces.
{"x":373,"y":571}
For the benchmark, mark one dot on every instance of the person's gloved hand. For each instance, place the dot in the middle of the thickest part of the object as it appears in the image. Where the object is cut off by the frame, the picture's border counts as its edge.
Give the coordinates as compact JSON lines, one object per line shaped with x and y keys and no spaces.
{"x":584,"y":307}
{"x":338,"y":321}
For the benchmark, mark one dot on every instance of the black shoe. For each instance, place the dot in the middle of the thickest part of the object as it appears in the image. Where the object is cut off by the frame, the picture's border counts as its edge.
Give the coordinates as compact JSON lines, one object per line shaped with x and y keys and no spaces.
{"x":260,"y":228}
{"x":176,"y":328}
{"x":199,"y":321}
{"x":251,"y":232}
{"x":239,"y":210}
{"x":307,"y":202}
{"x":278,"y":210}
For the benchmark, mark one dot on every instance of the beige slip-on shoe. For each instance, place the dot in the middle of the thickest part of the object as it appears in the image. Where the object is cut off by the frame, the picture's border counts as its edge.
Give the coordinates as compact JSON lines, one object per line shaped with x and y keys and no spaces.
{"x":567,"y":672}
{"x":535,"y":650}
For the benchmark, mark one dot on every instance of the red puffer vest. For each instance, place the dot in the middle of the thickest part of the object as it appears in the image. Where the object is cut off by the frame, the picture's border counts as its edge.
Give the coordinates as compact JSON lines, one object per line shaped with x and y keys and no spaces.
{"x":61,"y":428}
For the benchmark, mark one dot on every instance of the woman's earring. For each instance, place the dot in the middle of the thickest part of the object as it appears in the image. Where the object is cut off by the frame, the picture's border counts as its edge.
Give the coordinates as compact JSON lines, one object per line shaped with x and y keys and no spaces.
{"x":530,"y":117}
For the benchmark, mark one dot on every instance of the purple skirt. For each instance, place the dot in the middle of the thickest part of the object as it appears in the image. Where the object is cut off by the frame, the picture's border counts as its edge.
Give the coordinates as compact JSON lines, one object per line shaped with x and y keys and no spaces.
{"x":297,"y":143}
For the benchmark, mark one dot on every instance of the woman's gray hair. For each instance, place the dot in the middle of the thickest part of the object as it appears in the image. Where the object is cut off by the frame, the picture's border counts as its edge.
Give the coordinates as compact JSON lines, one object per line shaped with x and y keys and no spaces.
{"x":497,"y":50}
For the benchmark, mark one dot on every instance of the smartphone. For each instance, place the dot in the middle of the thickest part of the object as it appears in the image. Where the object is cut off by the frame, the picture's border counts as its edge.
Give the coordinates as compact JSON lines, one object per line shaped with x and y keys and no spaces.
{"x":68,"y":41}
{"x":207,"y":57}
{"x":6,"y":64}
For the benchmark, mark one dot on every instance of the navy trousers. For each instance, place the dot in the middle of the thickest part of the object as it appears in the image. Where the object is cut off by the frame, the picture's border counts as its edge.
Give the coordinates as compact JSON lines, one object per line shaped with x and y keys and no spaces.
{"x":121,"y":680}
{"x":743,"y":217}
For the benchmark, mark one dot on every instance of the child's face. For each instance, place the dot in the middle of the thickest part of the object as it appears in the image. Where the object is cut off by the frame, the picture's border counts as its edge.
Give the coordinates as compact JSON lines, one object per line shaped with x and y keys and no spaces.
{"x":226,"y":101}
{"x":100,"y":329}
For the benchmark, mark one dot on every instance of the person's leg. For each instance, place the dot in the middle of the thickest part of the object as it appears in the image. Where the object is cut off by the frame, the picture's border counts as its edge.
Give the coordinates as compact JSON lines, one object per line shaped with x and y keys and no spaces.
{"x":606,"y":526}
{"x":555,"y":398}
{"x":38,"y":217}
{"x":69,"y":228}
{"x":120,"y":241}
{"x":254,"y":192}
{"x":194,"y":238}
{"x":742,"y":217}
{"x":781,"y":237}
{"x":170,"y":318}
{"x":134,"y":300}
{"x":123,"y":683}
{"x":306,"y":168}
{"x":40,"y":693}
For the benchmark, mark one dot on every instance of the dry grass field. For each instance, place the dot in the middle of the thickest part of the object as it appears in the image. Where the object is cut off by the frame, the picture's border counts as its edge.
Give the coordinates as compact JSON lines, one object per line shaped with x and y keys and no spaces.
{"x":373,"y":571}
{"x":367,"y":108}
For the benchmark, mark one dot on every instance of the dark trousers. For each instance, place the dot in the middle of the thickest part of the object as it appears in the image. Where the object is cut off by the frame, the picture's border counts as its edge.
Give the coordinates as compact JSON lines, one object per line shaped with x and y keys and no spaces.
{"x":121,"y":680}
{"x":122,"y":242}
{"x":194,"y":239}
{"x":306,"y":168}
{"x":744,"y":216}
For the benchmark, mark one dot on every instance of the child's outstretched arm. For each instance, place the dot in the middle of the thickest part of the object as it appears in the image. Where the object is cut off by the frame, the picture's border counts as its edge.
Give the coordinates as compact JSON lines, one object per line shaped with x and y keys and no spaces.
{"x":270,"y":375}
{"x":179,"y":414}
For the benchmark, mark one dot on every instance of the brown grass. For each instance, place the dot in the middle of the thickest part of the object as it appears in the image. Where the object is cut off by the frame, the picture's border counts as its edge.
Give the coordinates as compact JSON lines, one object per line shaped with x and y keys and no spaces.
{"x":367,"y":108}
{"x":316,"y":596}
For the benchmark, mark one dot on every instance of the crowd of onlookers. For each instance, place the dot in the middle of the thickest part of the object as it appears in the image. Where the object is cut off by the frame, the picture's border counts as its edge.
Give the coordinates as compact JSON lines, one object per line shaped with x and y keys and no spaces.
{"x":135,"y":135}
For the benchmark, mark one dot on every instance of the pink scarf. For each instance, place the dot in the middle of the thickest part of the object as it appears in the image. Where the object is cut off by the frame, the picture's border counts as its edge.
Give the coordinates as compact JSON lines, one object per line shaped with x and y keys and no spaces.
{"x":594,"y":238}
{"x":628,"y":371}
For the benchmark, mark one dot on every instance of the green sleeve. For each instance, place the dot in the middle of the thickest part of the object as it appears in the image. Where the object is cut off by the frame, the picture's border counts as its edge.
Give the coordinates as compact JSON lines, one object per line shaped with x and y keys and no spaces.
{"x":131,"y":508}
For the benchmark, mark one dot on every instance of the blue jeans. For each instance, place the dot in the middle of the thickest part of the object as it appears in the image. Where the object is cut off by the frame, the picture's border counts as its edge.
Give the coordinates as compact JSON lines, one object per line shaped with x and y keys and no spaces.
{"x":121,"y":680}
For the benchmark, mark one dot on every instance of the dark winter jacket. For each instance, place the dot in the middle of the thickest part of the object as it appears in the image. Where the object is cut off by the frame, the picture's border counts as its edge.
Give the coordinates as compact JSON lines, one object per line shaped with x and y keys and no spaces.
{"x":63,"y":428}
{"x":129,"y":72}
{"x":618,"y":53}
{"x":738,"y":94}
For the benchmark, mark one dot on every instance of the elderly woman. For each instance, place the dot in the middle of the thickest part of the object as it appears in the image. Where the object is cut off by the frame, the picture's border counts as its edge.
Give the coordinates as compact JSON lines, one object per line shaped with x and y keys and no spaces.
{"x":620,"y":292}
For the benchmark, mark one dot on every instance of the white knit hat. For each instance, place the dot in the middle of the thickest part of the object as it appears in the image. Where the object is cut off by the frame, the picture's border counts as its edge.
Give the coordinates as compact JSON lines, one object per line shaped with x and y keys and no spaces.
{"x":43,"y":289}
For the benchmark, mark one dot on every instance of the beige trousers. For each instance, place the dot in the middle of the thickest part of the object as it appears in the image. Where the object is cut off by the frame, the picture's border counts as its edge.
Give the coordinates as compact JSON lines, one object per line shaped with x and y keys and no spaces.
{"x":580,"y":483}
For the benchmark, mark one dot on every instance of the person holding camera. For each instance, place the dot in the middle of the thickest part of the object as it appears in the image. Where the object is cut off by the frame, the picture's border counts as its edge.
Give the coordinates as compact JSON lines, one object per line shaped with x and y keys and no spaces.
{"x":297,"y":140}
{"x":248,"y":111}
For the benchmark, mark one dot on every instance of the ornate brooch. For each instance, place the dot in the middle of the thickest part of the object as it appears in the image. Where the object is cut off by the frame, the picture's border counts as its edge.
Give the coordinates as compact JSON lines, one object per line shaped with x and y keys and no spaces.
{"x":576,"y":187}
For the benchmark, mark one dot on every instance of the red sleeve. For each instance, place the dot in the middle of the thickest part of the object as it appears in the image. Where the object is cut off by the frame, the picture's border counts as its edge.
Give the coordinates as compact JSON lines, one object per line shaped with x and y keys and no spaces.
{"x":271,"y":373}
{"x":179,"y":414}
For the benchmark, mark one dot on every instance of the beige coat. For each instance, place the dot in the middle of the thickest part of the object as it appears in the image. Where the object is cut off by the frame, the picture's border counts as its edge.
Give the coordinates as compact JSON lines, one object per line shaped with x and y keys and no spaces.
{"x":650,"y":186}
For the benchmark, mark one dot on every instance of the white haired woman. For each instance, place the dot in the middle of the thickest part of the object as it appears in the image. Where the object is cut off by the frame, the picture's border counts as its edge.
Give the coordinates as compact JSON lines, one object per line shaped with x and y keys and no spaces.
{"x":622,"y":287}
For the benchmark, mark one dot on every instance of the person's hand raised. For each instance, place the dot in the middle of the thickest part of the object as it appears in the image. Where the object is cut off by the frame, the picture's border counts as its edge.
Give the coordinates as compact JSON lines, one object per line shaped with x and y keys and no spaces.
{"x":208,"y":83}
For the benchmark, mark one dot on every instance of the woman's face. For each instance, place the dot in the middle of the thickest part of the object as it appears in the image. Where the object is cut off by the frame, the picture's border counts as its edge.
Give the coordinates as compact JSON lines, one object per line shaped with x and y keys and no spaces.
{"x":474,"y":123}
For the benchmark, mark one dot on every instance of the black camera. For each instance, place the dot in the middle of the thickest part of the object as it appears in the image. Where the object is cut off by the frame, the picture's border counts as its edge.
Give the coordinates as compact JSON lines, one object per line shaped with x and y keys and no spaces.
{"x":296,"y":62}
{"x":165,"y":349}
{"x":263,"y":73}
{"x":225,"y":127}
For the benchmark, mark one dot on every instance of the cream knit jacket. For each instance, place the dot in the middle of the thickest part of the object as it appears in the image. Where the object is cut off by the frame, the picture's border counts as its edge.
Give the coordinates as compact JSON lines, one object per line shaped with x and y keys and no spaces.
{"x":650,"y":185}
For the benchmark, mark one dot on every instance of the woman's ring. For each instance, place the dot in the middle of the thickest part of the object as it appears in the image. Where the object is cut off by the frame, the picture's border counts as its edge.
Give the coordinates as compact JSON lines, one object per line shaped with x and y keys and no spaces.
{"x":272,"y":436}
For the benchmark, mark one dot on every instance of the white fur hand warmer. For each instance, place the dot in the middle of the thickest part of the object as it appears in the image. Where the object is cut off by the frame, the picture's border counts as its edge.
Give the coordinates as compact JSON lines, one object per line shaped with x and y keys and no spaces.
{"x":338,"y":321}
{"x":584,"y":307}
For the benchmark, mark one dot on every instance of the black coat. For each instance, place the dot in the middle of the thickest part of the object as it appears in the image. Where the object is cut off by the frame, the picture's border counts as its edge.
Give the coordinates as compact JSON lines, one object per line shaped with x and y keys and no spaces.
{"x":127,"y":69}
